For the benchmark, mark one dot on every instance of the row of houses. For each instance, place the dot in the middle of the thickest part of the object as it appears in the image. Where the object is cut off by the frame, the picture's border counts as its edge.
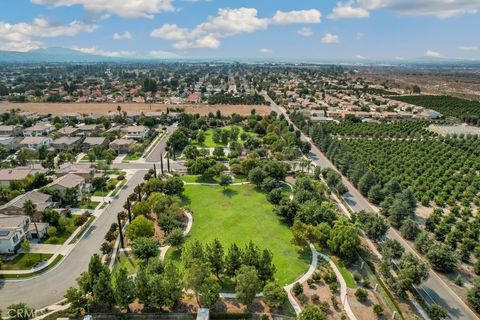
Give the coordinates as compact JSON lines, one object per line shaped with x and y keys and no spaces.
{"x":15,"y":226}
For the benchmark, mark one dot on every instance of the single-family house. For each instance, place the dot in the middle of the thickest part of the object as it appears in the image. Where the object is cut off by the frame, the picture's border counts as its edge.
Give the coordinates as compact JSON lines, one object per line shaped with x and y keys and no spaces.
{"x":90,"y":142}
{"x":84,"y":170}
{"x":10,"y":131}
{"x":135,"y":132}
{"x":10,"y":143}
{"x":36,"y":142}
{"x":70,"y":181}
{"x":122,"y":145}
{"x":67,"y":143}
{"x":41,"y":201}
{"x":16,"y":174}
{"x":39,"y":129}
{"x":68,"y":131}
{"x":89,"y":129}
{"x":13,"y":231}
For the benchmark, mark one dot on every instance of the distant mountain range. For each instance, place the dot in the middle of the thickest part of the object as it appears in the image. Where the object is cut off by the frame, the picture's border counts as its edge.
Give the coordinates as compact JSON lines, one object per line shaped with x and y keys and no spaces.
{"x":65,"y":55}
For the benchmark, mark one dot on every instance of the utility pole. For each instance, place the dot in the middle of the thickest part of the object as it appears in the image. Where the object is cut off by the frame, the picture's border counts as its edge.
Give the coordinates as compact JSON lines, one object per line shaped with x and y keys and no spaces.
{"x":120,"y":230}
{"x":168,"y":161}
{"x":129,"y":209}
{"x":155,"y":171}
{"x":161,"y":163}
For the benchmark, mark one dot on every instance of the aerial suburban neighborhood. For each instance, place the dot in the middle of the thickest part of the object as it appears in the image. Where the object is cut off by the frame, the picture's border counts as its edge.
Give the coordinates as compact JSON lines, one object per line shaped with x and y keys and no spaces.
{"x":336,"y":176}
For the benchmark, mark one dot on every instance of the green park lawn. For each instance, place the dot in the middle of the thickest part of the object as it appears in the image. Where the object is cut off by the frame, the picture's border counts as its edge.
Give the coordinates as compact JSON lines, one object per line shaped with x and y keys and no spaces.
{"x":209,"y":143}
{"x":200,"y":179}
{"x":241,"y":214}
{"x":25,"y":261}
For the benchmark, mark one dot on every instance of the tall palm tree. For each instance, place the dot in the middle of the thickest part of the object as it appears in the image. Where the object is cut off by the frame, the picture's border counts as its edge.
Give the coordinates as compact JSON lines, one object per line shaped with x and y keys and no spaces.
{"x":29,"y":208}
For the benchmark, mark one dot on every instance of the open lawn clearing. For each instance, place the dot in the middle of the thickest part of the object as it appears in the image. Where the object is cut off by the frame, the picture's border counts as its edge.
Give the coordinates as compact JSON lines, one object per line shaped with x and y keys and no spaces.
{"x":241,"y":214}
{"x":104,"y":108}
{"x":199,"y":179}
{"x":25,"y":261}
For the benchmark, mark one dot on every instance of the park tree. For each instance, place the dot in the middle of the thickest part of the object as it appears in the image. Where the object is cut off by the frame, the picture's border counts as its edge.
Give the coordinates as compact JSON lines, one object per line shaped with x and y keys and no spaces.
{"x":102,"y":289}
{"x":210,"y":292}
{"x":140,"y":227}
{"x":76,"y":298}
{"x":266,"y":269}
{"x":233,"y":260}
{"x":145,"y":248}
{"x":436,"y":312}
{"x":274,"y":295}
{"x":192,"y":253}
{"x":142,"y":285}
{"x":123,"y":288}
{"x":442,"y":257}
{"x":344,"y":239}
{"x":214,"y":254}
{"x":195,"y":276}
{"x":247,"y":285}
{"x":225,"y":180}
{"x":374,"y":225}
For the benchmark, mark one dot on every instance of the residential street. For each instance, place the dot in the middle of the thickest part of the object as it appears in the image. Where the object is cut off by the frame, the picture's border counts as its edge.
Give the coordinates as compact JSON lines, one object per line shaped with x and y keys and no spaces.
{"x":49,"y":288}
{"x":434,"y":289}
{"x":154,"y":156}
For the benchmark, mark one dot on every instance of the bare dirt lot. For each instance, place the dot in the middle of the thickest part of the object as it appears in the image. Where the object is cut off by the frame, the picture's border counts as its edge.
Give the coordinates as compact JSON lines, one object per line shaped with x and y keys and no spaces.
{"x":104,"y":108}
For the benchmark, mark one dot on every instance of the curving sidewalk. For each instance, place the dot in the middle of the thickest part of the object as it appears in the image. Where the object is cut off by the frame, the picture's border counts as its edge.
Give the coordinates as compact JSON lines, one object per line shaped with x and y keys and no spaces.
{"x":164,"y":249}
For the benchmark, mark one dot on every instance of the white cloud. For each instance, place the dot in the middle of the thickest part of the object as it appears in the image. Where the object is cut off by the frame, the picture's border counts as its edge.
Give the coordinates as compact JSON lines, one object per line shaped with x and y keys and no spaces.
{"x":227,"y":23}
{"x":21,"y":36}
{"x":121,"y":8}
{"x":360,"y":57}
{"x":438,"y":8}
{"x":105,"y":53}
{"x":469,"y":48}
{"x":305,"y":32}
{"x":122,"y":36}
{"x":170,"y":32}
{"x":330,"y":38}
{"x":297,"y":16}
{"x":432,"y":54}
{"x":209,"y":41}
{"x":342,"y":11}
{"x":265,"y":50}
{"x":359,"y":35}
{"x":162,"y":54}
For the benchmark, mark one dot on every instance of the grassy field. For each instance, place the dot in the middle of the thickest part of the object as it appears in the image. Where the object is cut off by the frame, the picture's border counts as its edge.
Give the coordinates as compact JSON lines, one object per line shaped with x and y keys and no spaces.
{"x":132,"y":157}
{"x":199,"y":179}
{"x":209,"y":143}
{"x":241,"y":214}
{"x":25,"y":261}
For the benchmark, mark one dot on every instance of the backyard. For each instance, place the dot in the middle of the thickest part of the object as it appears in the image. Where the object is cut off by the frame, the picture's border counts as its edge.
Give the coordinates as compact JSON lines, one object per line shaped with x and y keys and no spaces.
{"x":240,"y":214}
{"x":25,"y":261}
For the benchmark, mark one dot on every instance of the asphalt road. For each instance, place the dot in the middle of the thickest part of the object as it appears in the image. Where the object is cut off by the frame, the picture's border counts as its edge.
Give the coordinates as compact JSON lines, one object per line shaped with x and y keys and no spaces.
{"x":50,"y":287}
{"x":154,"y":156}
{"x":434,"y":289}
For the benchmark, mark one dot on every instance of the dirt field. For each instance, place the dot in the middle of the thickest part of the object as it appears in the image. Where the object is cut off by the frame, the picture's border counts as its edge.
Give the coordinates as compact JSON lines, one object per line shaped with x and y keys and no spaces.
{"x":104,"y":108}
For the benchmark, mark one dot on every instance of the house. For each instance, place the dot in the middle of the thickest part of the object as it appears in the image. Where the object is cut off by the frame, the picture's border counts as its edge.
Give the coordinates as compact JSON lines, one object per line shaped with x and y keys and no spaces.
{"x":67,"y":143}
{"x":122,"y":145}
{"x":10,"y":143}
{"x":133,"y":116}
{"x":35,"y":142}
{"x":16,"y":174}
{"x":70,"y":181}
{"x":72,"y":115}
{"x":90,"y":142}
{"x":28,"y":115}
{"x":39,"y":129}
{"x":41,"y":200}
{"x":135,"y":132}
{"x":13,"y":231}
{"x":68,"y":131}
{"x":10,"y":131}
{"x":89,"y":129}
{"x":84,"y":170}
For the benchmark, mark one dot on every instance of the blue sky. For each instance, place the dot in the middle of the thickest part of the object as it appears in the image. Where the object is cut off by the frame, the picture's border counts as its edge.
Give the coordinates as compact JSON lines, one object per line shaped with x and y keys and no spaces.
{"x":372,"y":29}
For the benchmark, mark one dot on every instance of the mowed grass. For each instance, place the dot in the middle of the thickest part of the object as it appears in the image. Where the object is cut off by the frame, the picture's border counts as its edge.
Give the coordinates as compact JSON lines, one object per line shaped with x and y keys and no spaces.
{"x":241,"y":214}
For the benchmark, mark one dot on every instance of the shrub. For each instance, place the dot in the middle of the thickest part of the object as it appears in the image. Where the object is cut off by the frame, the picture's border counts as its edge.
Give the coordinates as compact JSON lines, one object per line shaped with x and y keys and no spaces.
{"x":315,"y":298}
{"x":106,"y":248}
{"x":145,"y":248}
{"x":361,"y":294}
{"x":175,"y":237}
{"x":357,"y":276}
{"x":378,"y":310}
{"x":297,"y":289}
